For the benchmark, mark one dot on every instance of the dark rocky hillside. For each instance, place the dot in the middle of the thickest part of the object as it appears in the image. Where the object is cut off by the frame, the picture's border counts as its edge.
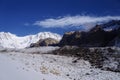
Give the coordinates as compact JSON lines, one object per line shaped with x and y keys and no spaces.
{"x":100,"y":36}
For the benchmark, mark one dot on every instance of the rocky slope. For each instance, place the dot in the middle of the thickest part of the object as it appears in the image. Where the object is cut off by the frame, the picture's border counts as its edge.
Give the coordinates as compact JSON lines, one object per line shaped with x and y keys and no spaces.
{"x":105,"y":58}
{"x":8,"y":40}
{"x":45,"y":42}
{"x":100,"y":36}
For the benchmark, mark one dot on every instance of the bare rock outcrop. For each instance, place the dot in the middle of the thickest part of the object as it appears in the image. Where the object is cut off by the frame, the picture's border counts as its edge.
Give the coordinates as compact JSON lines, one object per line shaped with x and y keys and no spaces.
{"x":45,"y":42}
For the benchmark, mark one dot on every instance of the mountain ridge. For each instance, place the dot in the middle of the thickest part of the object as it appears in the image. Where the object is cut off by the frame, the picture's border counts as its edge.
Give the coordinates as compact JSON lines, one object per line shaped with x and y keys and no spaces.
{"x":102,"y":35}
{"x":9,"y":40}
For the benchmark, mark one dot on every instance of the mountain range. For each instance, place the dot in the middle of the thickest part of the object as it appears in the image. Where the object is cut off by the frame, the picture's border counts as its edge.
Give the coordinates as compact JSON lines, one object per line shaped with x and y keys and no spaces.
{"x":8,"y":40}
{"x":101,"y":35}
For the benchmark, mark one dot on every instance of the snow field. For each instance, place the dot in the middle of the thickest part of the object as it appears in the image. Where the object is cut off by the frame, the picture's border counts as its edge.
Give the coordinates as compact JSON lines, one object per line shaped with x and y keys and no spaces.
{"x":27,"y":66}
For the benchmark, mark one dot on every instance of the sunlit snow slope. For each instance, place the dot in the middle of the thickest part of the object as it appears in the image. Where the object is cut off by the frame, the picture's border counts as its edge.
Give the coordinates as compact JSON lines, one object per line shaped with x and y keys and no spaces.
{"x":8,"y":40}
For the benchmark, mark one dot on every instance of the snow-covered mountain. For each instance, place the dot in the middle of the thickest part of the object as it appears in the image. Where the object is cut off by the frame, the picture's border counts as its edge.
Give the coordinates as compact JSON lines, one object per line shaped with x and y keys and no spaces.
{"x":8,"y":40}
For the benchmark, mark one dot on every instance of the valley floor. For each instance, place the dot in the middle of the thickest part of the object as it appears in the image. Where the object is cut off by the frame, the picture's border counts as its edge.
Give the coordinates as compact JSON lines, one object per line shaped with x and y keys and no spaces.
{"x":28,"y":64}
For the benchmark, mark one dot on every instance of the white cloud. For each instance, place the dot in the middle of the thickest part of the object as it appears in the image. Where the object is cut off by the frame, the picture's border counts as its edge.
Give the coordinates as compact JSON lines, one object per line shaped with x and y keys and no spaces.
{"x":73,"y":21}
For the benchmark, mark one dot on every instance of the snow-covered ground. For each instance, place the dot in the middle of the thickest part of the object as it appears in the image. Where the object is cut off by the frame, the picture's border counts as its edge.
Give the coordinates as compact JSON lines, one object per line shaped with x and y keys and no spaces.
{"x":26,"y":64}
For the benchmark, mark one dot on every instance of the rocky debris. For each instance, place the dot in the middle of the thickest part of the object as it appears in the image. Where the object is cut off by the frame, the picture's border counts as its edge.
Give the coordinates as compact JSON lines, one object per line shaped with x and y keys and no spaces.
{"x":45,"y":42}
{"x":96,"y":37}
{"x":107,"y":58}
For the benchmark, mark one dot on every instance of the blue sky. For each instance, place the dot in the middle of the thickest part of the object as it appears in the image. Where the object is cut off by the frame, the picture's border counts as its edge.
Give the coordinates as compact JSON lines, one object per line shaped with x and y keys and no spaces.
{"x":23,"y":17}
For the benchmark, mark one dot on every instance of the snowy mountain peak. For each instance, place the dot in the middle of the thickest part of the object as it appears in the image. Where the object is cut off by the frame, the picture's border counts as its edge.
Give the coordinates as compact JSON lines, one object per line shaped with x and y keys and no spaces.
{"x":8,"y":40}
